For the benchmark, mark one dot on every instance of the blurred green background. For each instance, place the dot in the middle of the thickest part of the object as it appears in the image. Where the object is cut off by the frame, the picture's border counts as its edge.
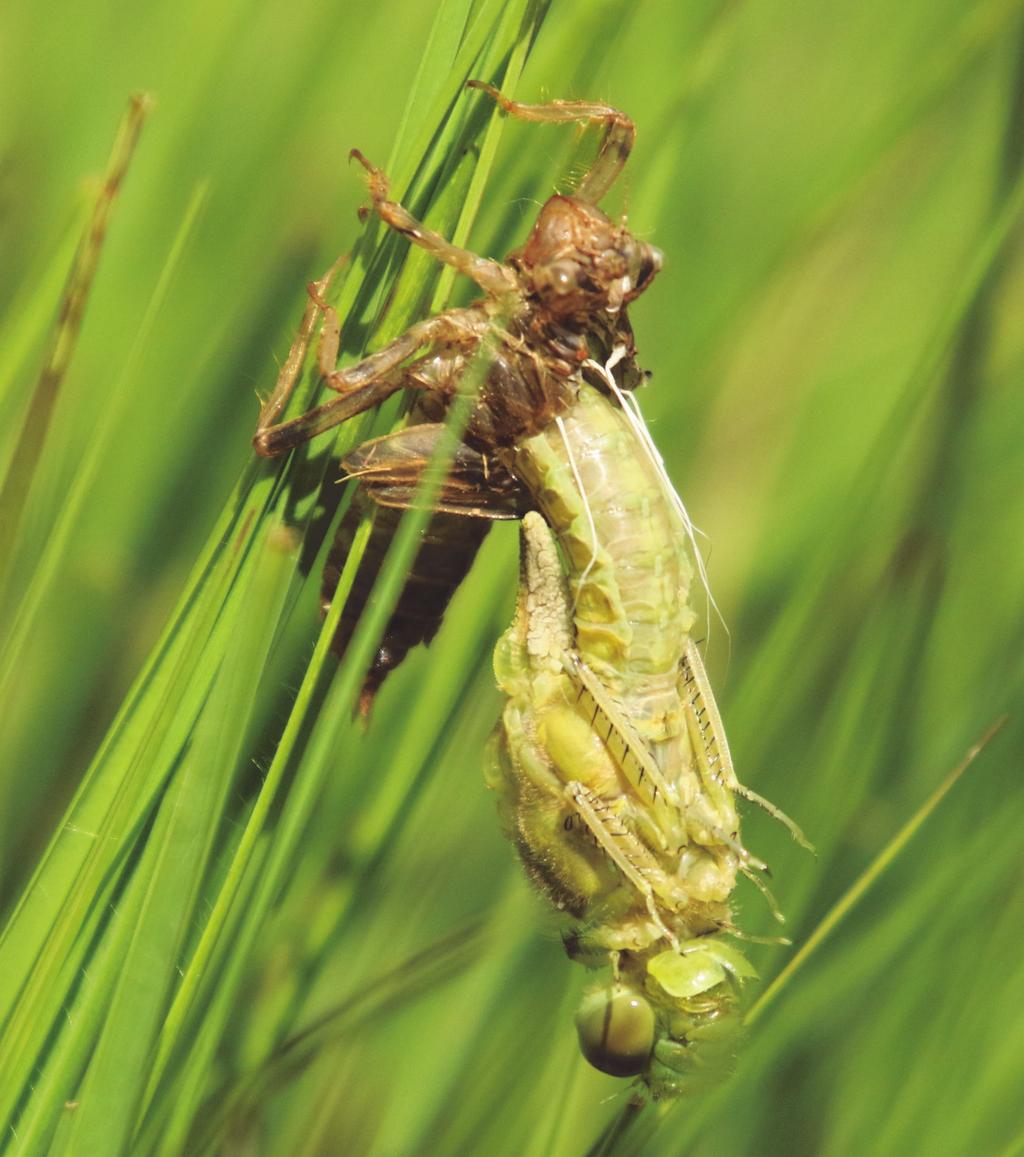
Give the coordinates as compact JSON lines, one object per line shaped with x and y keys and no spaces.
{"x":837,"y":356}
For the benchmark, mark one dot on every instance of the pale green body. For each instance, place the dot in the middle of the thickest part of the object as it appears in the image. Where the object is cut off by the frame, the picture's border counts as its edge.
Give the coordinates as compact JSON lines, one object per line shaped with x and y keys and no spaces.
{"x":631,"y":586}
{"x":608,"y":773}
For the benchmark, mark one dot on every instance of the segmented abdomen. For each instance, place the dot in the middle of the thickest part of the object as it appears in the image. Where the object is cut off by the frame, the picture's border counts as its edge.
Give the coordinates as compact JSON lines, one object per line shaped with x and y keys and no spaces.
{"x":447,"y":550}
{"x":628,"y":570}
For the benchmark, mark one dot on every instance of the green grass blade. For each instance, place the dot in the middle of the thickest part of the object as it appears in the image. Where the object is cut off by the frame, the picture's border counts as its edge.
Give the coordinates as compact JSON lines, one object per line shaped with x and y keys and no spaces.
{"x":17,"y":481}
{"x":869,"y":877}
{"x":49,"y":567}
{"x":836,"y":357}
{"x":172,"y":874}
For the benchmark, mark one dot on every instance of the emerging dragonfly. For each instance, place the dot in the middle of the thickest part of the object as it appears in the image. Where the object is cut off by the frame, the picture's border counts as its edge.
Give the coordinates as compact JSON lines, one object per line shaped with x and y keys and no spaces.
{"x":479,"y":489}
{"x":611,"y":766}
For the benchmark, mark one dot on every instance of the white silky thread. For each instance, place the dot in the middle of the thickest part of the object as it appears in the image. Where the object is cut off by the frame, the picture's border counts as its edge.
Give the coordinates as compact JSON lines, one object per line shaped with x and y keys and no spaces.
{"x":631,"y":409}
{"x":586,"y":506}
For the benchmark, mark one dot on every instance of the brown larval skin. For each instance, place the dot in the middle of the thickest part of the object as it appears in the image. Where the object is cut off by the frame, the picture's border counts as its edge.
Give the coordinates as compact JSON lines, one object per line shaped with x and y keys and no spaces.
{"x":531,"y":380}
{"x":569,"y":273}
{"x":556,"y":304}
{"x":447,"y":551}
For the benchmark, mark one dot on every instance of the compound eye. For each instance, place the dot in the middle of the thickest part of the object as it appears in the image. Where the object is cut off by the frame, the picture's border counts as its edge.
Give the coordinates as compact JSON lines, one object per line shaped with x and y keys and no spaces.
{"x":616,"y":1028}
{"x":650,"y":264}
{"x":560,"y":277}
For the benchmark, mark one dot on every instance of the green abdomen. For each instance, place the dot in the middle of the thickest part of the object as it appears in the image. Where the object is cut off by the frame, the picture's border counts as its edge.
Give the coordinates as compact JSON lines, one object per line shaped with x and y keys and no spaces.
{"x":599,"y":492}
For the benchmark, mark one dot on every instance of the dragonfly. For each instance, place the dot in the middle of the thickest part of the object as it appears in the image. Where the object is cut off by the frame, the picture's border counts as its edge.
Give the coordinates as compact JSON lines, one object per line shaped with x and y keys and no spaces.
{"x":610,"y":763}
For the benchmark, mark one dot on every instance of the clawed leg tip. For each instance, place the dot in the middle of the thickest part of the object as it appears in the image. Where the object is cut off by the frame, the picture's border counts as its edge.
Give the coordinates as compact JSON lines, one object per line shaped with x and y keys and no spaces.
{"x":483,"y":86}
{"x":375,"y":179}
{"x":356,"y":155}
{"x":314,"y":295}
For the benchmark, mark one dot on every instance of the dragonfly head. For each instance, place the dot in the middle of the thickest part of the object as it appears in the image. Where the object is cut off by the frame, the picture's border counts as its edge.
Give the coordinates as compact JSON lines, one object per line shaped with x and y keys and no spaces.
{"x":578,"y":261}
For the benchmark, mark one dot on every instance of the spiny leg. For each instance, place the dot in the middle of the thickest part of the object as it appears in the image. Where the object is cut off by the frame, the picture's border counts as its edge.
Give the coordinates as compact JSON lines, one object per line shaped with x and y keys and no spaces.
{"x":362,"y":386}
{"x":623,"y":742}
{"x":289,"y":375}
{"x":766,"y":892}
{"x":495,"y":279}
{"x":616,"y":144}
{"x":328,"y":347}
{"x":626,"y":851}
{"x":703,"y":711}
{"x":776,"y":813}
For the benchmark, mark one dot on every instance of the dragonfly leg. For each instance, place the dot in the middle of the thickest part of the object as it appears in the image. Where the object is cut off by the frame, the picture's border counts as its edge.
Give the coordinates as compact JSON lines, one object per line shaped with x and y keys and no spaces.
{"x":330,"y":333}
{"x":615,"y":147}
{"x":493,"y":278}
{"x":628,"y":853}
{"x":361,"y":386}
{"x":776,"y":813}
{"x":272,"y":408}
